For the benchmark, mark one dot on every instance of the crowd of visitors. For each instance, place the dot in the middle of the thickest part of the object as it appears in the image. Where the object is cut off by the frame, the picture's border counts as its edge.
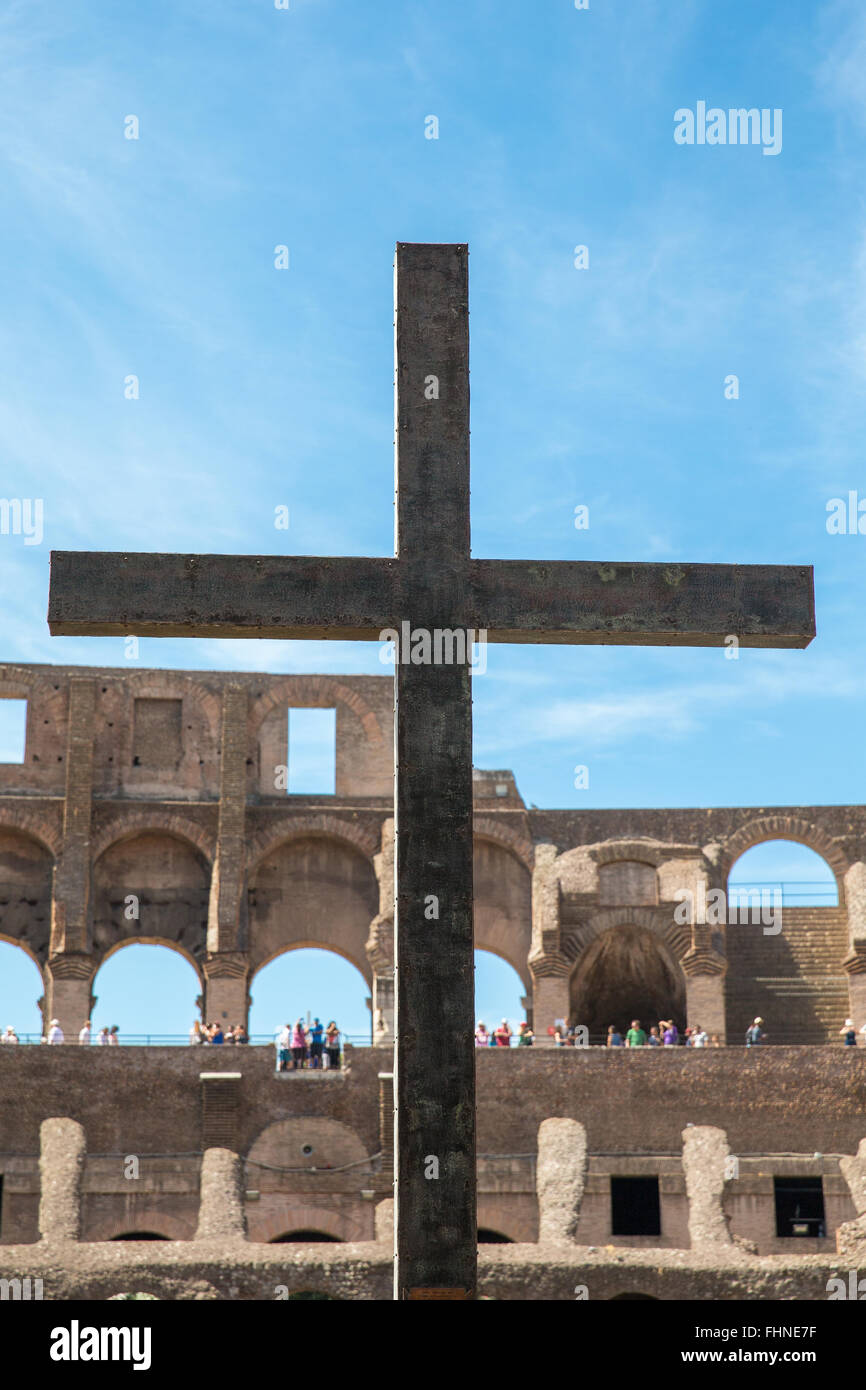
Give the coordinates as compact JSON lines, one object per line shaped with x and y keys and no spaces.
{"x":213,"y":1034}
{"x":501,"y":1036}
{"x":311,"y":1046}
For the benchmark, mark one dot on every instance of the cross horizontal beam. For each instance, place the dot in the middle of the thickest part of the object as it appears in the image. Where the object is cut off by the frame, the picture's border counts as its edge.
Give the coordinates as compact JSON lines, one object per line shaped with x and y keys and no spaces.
{"x":104,"y":593}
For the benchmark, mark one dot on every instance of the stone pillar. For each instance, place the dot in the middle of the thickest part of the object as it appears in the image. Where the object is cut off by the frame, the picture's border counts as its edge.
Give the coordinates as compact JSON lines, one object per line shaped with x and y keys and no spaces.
{"x":550,"y":970}
{"x":70,"y":969}
{"x":854,"y":964}
{"x":386,"y":1119}
{"x":68,"y":993}
{"x":221,"y":1214}
{"x":560,"y":1179}
{"x":226,"y":990}
{"x":384,"y":1218}
{"x":851,"y":1235}
{"x":550,"y":1000}
{"x":704,"y":968}
{"x":226,"y":967}
{"x":380,"y":942}
{"x":705,"y":1164}
{"x":62,"y":1151}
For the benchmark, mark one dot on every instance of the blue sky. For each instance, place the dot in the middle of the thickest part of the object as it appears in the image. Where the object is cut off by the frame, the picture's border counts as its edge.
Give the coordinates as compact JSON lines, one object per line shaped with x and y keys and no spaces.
{"x":603,"y":386}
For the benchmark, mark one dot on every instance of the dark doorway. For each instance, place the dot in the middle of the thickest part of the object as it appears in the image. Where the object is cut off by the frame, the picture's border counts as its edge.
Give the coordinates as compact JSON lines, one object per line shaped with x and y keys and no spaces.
{"x":488,"y":1237}
{"x":139,"y":1235}
{"x":308,"y":1236}
{"x":800,"y":1207}
{"x":626,"y":973}
{"x":635,"y":1209}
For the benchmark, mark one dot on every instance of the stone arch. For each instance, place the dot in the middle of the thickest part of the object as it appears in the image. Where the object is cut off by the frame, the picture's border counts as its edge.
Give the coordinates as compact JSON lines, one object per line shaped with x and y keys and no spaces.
{"x":150,"y":941}
{"x":783,"y":827}
{"x":171,"y":878}
{"x":285,"y":1144}
{"x":156,"y":820}
{"x":284,"y":1215}
{"x":173,"y":685}
{"x":26,"y":886}
{"x":627,"y":971}
{"x":503,"y":903}
{"x":295,"y":827}
{"x":313,"y":692}
{"x":148,"y":1219}
{"x":488,"y":828}
{"x":312,"y":890}
{"x":676,"y":939}
{"x":36,"y":826}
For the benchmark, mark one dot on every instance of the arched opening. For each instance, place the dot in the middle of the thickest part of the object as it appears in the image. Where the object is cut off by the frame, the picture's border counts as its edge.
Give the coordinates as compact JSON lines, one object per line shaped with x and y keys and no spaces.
{"x":26,"y":868}
{"x":626,"y":973}
{"x":314,"y":890}
{"x":139,"y":1235}
{"x":499,"y":992}
{"x":309,"y":983}
{"x":20,"y":991}
{"x":785,"y":871}
{"x":148,"y":991}
{"x":151,"y":886}
{"x":503,"y":907}
{"x":310,"y":1237}
{"x":786,"y":937}
{"x":488,"y":1237}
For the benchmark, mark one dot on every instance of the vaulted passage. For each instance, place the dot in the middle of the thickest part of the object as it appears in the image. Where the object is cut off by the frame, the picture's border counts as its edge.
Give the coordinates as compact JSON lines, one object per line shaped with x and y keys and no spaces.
{"x":626,"y":973}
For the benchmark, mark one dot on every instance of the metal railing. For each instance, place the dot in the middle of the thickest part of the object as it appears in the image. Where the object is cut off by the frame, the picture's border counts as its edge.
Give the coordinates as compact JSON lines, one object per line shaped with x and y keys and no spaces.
{"x":182,"y":1040}
{"x":809,"y":892}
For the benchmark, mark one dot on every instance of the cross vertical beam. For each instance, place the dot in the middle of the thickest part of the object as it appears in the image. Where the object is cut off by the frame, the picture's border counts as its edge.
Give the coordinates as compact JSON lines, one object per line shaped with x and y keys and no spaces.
{"x":434,"y":1066}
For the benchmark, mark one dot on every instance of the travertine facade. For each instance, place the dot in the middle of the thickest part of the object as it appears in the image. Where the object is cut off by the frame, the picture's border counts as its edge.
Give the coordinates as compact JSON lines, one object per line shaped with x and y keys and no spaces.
{"x":160,"y":787}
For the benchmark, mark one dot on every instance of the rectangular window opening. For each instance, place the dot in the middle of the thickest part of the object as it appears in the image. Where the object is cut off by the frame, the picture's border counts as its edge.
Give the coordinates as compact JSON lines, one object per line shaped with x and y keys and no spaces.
{"x":635,"y":1208}
{"x":312,"y":752}
{"x":800,"y":1207}
{"x":13,"y":730}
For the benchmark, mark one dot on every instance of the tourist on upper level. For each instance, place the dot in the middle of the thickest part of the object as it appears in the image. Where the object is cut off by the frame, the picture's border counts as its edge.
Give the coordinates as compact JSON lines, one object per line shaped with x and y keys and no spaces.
{"x":654,"y":1040}
{"x":317,"y":1045}
{"x":670,"y":1033}
{"x":55,"y":1032}
{"x":215,"y":1035}
{"x":503,"y":1034}
{"x":195,"y":1034}
{"x":299,"y":1045}
{"x":332,"y":1045}
{"x":699,"y":1037}
{"x":10,"y":1036}
{"x":241,"y":1034}
{"x":614,"y":1037}
{"x":525,"y":1037}
{"x":849,"y":1033}
{"x":482,"y":1037}
{"x":755,"y":1033}
{"x":635,"y":1037}
{"x":284,"y":1047}
{"x":84,"y":1035}
{"x":114,"y":1036}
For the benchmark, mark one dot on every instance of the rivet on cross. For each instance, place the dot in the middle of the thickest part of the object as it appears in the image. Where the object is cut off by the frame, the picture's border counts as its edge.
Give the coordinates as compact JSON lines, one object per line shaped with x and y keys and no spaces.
{"x":432,"y":583}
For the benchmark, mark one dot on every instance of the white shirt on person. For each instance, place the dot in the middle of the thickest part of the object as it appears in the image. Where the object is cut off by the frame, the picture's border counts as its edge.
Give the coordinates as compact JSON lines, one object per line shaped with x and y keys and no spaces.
{"x":56,"y":1034}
